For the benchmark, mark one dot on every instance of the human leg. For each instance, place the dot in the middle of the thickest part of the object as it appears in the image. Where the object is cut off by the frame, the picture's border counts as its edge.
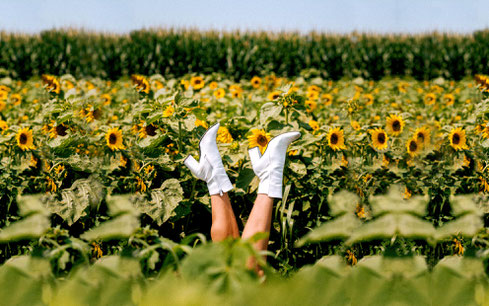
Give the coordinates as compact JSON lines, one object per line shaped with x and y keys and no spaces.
{"x":269,"y":169}
{"x":223,"y":220}
{"x":211,"y":169}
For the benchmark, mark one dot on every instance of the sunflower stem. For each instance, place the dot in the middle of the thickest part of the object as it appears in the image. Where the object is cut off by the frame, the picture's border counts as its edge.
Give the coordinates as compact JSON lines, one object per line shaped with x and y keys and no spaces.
{"x":286,"y":116}
{"x":180,"y":135}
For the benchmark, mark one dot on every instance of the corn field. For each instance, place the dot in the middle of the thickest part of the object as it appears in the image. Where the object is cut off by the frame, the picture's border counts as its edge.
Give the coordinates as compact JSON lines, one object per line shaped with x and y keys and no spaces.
{"x":243,"y":54}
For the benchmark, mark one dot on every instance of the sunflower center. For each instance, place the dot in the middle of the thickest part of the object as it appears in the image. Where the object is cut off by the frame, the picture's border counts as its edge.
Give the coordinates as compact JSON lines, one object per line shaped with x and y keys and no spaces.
{"x":97,"y":113}
{"x":61,"y":130}
{"x":381,"y":138}
{"x":151,"y":130}
{"x":396,"y":126}
{"x":23,"y":138}
{"x":456,"y":139}
{"x":262,"y":140}
{"x":112,"y":138}
{"x":334,"y":139}
{"x":421,"y":136}
{"x":413,"y":146}
{"x":275,"y":97}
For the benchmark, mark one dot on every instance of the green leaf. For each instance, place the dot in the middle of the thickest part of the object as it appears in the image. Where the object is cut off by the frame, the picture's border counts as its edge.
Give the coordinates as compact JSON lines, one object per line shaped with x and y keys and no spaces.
{"x":391,"y":225}
{"x":246,"y":175}
{"x":25,"y":281}
{"x":118,"y":228}
{"x":121,"y":204}
{"x":31,"y":227}
{"x":337,"y":229}
{"x":466,"y":226}
{"x":393,"y":202}
{"x":83,"y":195}
{"x":388,"y":267}
{"x":163,"y":201}
{"x":189,"y":122}
{"x":342,"y":202}
{"x":464,"y":204}
{"x":269,"y":110}
{"x":31,"y":204}
{"x":298,"y":168}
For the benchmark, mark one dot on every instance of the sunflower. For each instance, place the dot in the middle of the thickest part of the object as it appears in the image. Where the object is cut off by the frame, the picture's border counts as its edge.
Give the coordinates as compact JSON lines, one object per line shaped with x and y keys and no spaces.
{"x":236,"y":94}
{"x":114,"y":139}
{"x":223,"y":135}
{"x":147,"y":130}
{"x":394,"y":125}
{"x":355,"y":125}
{"x":123,"y":161}
{"x":458,"y":140}
{"x":16,"y":99}
{"x":201,"y":123}
{"x":169,"y":110}
{"x":350,"y":258}
{"x":312,"y":95}
{"x":256,"y":82}
{"x":327,"y":99}
{"x":422,"y":136}
{"x":24,"y":138}
{"x":402,"y":87}
{"x":3,"y":125}
{"x":236,"y":87}
{"x":429,"y":99}
{"x":51,"y":185}
{"x":33,"y":162}
{"x":106,"y":99}
{"x":67,"y":85}
{"x":58,"y":170}
{"x":185,"y":84}
{"x":197,"y":82}
{"x":156,"y":85}
{"x":141,"y":186}
{"x":219,"y":93}
{"x":369,"y":99}
{"x":336,"y":140}
{"x":458,"y":248}
{"x":274,"y":95}
{"x":360,"y":211}
{"x":213,"y":85}
{"x":4,"y":90}
{"x":413,"y":147}
{"x":141,"y":83}
{"x":311,"y":105}
{"x":58,"y":130}
{"x":485,"y":131}
{"x":379,"y":138}
{"x":314,"y":125}
{"x":313,"y":88}
{"x":259,"y":138}
{"x":407,"y":194}
{"x":449,"y":99}
{"x":3,"y":95}
{"x":51,"y":83}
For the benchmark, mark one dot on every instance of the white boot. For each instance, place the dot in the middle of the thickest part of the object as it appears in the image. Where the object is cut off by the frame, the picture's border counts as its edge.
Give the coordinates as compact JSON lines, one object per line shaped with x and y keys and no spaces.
{"x":210,"y":167}
{"x":270,"y":167}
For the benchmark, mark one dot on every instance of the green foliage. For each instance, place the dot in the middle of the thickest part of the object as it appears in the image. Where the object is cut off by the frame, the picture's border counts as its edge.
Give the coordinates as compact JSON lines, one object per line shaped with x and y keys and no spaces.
{"x":242,"y":54}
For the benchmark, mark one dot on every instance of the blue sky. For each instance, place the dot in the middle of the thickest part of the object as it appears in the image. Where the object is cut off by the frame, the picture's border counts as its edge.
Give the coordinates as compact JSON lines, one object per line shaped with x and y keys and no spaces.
{"x":385,"y":16}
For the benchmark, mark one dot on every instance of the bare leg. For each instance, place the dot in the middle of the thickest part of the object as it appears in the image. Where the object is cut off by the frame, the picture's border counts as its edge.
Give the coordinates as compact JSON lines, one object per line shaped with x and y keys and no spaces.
{"x":223,"y":219}
{"x":259,"y":221}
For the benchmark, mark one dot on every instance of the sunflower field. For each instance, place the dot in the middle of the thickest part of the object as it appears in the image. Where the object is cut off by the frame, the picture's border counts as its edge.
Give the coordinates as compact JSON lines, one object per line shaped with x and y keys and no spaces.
{"x":385,"y":194}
